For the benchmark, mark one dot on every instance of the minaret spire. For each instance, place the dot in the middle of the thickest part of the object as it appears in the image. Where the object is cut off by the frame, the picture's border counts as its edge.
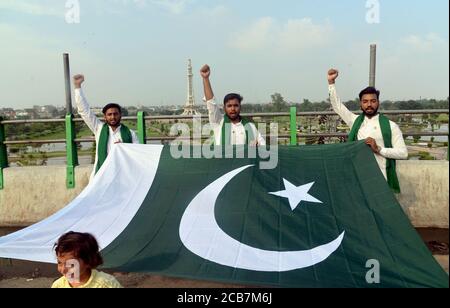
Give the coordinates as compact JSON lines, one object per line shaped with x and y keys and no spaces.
{"x":190,"y":108}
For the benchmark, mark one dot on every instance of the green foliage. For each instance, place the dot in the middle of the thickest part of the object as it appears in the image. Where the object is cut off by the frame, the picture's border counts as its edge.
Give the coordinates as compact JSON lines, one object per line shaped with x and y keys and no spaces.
{"x":278,"y":103}
{"x":442,"y":118}
{"x":426,"y":156}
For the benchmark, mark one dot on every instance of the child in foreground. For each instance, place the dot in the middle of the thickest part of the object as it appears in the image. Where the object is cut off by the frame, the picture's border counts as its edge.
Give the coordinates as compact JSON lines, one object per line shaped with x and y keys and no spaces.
{"x":78,"y":257}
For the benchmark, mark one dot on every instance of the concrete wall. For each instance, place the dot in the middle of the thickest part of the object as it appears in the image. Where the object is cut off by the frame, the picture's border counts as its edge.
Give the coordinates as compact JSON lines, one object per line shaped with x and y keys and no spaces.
{"x":34,"y":193}
{"x":425,"y":192}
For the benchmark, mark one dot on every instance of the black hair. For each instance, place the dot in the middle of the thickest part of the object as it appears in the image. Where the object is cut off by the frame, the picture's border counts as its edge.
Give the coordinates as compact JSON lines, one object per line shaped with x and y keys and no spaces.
{"x":83,"y":246}
{"x":109,"y":106}
{"x":232,"y":96}
{"x":369,"y":90}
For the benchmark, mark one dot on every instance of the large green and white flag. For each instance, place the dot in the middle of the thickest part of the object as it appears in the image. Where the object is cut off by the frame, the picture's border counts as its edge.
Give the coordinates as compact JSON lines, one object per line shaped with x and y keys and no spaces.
{"x":324,"y":217}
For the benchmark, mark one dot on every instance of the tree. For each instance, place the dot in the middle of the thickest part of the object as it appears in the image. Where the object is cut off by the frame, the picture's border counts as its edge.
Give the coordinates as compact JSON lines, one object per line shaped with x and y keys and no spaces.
{"x":409,"y":105}
{"x":278,"y":102}
{"x":417,"y":139}
{"x":353,"y":105}
{"x":124,"y":112}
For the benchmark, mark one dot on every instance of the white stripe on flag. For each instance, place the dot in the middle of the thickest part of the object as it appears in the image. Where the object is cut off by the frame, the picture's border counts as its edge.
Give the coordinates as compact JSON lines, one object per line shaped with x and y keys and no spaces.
{"x":104,"y":208}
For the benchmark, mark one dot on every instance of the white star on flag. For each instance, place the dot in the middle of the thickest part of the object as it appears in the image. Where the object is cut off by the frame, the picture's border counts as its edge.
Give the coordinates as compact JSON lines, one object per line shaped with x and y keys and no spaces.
{"x":296,"y":194}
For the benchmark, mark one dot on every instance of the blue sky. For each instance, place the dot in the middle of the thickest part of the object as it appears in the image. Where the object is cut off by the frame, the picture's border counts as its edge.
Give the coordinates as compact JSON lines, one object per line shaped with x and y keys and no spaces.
{"x":135,"y":52}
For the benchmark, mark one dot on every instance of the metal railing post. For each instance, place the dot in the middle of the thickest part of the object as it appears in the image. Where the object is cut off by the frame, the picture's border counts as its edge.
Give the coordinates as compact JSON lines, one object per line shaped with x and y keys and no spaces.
{"x":448,"y":148}
{"x":71,"y":147}
{"x":373,"y":65}
{"x":141,"y":127}
{"x":294,"y":140}
{"x":3,"y":153}
{"x":2,"y":185}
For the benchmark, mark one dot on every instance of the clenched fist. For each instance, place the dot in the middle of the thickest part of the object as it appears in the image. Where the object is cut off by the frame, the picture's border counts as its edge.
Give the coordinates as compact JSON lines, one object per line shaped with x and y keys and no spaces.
{"x":333,"y":74}
{"x":78,"y":80}
{"x":205,"y":71}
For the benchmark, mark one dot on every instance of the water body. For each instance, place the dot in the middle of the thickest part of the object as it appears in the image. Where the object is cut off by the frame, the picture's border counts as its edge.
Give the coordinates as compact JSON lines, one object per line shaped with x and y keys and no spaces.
{"x":442,"y":129}
{"x":58,"y":161}
{"x":57,"y":147}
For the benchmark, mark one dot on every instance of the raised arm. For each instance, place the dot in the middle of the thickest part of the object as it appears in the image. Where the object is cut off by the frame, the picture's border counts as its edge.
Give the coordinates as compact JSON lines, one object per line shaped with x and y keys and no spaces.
{"x":83,"y":107}
{"x":214,"y":112}
{"x":205,"y":72}
{"x":346,"y":115}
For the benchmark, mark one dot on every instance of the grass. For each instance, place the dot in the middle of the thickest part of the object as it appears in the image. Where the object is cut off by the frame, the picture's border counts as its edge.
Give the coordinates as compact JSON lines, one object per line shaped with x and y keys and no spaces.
{"x":443,"y":118}
{"x":53,"y":154}
{"x":59,"y":134}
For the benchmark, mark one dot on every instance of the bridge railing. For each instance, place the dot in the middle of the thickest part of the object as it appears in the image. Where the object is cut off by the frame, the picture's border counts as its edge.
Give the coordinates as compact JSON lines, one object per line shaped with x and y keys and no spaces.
{"x":142,"y":120}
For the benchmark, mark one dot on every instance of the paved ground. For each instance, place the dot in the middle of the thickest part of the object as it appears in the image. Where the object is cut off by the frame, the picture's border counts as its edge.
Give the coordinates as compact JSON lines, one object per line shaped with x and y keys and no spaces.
{"x":127,"y":280}
{"x":135,"y":280}
{"x":21,"y":274}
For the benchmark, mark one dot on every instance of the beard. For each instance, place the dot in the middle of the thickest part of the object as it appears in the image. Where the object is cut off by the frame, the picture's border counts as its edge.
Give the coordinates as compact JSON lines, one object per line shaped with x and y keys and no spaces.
{"x":113,"y":123}
{"x":370,"y":112}
{"x":234,"y":117}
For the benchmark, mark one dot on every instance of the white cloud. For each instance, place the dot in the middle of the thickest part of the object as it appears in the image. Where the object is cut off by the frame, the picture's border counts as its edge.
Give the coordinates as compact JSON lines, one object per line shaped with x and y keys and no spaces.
{"x":173,"y":6}
{"x":176,"y":7}
{"x":299,"y":34}
{"x":292,"y":36}
{"x":256,"y":36}
{"x":32,"y":8}
{"x":138,"y":3}
{"x":34,"y":66}
{"x":215,"y":11}
{"x":424,"y":44}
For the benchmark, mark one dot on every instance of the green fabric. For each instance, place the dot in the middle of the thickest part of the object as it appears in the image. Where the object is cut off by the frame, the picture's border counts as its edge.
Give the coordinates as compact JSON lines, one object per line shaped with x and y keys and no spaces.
{"x":3,"y":151}
{"x":103,"y":143}
{"x":226,"y":138}
{"x":355,"y":199}
{"x":391,"y":164}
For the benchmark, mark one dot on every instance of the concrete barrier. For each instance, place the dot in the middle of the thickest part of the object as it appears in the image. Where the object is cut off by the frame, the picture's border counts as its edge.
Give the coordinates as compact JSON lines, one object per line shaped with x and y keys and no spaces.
{"x":425,"y":191}
{"x":34,"y":193}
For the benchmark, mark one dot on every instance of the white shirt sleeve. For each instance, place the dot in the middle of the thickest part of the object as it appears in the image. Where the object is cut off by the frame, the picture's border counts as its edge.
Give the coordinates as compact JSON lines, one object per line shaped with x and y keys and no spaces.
{"x":134,"y":137}
{"x":85,"y":112}
{"x":214,"y":112}
{"x":346,"y":115}
{"x":399,"y":149}
{"x":258,"y":137}
{"x":261,"y":140}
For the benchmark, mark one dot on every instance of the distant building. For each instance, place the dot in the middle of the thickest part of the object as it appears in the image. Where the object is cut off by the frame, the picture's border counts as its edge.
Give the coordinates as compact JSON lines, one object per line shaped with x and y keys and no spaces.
{"x":132,"y":111}
{"x":97,"y":110}
{"x":45,"y":112}
{"x":8,"y":113}
{"x":23,"y":114}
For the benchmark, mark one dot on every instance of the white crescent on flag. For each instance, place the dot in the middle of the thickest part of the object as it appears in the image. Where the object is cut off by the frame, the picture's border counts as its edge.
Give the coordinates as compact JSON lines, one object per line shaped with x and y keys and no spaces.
{"x":201,"y":234}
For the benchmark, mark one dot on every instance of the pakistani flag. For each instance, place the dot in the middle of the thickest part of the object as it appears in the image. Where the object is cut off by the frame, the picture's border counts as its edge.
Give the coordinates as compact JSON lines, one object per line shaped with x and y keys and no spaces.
{"x":324,"y":217}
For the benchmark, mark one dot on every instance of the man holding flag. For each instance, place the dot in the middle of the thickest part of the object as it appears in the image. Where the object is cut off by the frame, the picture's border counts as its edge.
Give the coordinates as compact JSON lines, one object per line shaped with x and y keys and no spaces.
{"x":106,"y":134}
{"x":382,"y":135}
{"x":231,"y":128}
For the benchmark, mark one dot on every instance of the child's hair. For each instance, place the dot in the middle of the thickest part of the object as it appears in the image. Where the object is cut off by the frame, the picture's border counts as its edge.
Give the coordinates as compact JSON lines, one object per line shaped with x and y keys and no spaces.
{"x":83,"y":246}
